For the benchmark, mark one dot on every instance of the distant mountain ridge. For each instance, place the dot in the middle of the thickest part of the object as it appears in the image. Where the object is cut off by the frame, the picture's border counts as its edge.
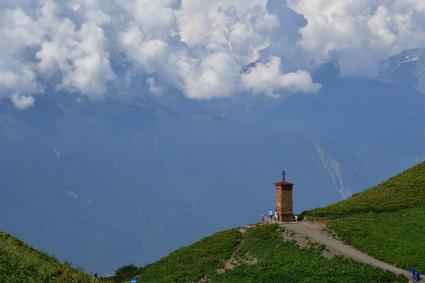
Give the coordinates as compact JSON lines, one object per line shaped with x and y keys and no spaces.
{"x":406,"y":68}
{"x":77,"y":176}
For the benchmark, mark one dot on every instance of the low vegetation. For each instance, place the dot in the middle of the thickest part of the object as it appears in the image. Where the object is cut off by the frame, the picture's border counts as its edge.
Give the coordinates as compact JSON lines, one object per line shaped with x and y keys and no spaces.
{"x":124,"y":273}
{"x":387,"y":221}
{"x":395,"y":237}
{"x":191,"y":263}
{"x":281,"y":261}
{"x":406,"y":190}
{"x":258,"y":255}
{"x":22,"y":263}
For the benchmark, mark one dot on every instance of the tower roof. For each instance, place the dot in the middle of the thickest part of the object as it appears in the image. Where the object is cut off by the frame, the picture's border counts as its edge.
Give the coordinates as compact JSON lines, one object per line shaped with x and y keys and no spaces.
{"x":283,"y":183}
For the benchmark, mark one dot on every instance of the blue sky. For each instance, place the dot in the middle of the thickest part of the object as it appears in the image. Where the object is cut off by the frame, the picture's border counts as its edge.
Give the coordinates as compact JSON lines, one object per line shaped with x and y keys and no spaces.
{"x":203,"y":49}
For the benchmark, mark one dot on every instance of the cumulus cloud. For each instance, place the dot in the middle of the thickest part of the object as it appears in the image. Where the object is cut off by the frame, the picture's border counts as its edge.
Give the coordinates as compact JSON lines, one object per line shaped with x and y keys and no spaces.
{"x":204,"y":49}
{"x":147,"y":53}
{"x":267,"y":78}
{"x":241,"y":29}
{"x":78,"y":53}
{"x":215,"y":76}
{"x":42,"y":43}
{"x":360,"y":34}
{"x":22,"y":101}
{"x":18,"y":33}
{"x":198,"y":47}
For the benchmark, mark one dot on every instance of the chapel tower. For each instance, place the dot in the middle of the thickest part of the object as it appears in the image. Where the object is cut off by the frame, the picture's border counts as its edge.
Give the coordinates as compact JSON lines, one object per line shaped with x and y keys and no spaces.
{"x":284,"y":206}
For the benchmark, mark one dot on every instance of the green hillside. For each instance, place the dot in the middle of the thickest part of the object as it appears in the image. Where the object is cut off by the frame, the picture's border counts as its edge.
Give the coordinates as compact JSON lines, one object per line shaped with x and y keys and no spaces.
{"x":258,"y":254}
{"x":387,"y":221}
{"x":22,"y":263}
{"x":405,"y":190}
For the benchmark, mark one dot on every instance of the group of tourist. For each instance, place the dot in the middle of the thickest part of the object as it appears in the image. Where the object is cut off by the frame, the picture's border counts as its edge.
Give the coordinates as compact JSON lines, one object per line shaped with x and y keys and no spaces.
{"x":270,"y":217}
{"x":273,"y":217}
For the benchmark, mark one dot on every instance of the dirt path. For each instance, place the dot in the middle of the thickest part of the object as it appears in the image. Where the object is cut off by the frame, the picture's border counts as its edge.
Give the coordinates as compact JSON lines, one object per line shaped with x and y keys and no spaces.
{"x":233,"y":261}
{"x":314,"y":232}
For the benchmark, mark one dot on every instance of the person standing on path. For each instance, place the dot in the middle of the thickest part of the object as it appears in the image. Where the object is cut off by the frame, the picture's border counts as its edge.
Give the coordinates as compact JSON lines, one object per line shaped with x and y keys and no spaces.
{"x":276,"y":216}
{"x":271,"y":215}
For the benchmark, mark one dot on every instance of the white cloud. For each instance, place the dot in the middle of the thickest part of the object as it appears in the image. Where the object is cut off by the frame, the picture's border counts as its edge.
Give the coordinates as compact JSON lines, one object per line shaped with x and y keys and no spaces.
{"x":79,"y":54}
{"x":19,"y":78}
{"x":43,"y":43}
{"x":146,"y":52}
{"x":267,"y":78}
{"x":200,"y":47}
{"x":22,"y":101}
{"x":361,"y":33}
{"x":153,"y":87}
{"x":154,"y":18}
{"x":18,"y":32}
{"x":215,"y":76}
{"x":239,"y":28}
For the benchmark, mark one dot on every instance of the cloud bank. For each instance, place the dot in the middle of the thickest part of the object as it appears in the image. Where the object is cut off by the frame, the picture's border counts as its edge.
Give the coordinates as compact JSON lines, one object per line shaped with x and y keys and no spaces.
{"x":359,"y":34}
{"x":204,"y":49}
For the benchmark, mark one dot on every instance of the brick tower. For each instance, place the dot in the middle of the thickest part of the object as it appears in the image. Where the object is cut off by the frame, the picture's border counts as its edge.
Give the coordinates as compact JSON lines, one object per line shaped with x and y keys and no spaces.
{"x":284,"y":200}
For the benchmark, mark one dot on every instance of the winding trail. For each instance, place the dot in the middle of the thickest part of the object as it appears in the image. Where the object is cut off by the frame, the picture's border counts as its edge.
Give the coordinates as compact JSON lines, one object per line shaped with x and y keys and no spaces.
{"x":230,"y":263}
{"x":315,"y":232}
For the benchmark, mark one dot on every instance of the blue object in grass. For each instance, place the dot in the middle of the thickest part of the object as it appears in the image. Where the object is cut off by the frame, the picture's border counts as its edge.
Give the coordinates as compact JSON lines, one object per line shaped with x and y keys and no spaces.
{"x":416,"y":276}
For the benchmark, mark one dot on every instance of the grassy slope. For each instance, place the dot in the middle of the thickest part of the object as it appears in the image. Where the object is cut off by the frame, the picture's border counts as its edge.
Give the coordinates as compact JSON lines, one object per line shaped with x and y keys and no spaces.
{"x":396,"y":237}
{"x":406,"y":190}
{"x":21,"y":263}
{"x":189,"y":264}
{"x":387,"y":221}
{"x":277,"y":261}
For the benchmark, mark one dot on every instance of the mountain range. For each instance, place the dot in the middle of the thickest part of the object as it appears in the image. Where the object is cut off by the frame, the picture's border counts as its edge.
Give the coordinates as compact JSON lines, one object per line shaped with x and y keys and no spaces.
{"x":127,"y":180}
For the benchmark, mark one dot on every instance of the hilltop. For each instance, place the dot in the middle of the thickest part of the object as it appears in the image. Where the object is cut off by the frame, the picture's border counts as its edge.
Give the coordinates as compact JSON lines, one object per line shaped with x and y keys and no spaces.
{"x":22,"y":263}
{"x":386,"y":221}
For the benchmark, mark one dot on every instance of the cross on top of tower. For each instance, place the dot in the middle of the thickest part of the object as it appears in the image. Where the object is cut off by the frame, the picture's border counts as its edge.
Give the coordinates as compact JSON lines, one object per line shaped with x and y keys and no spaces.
{"x":283,"y":176}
